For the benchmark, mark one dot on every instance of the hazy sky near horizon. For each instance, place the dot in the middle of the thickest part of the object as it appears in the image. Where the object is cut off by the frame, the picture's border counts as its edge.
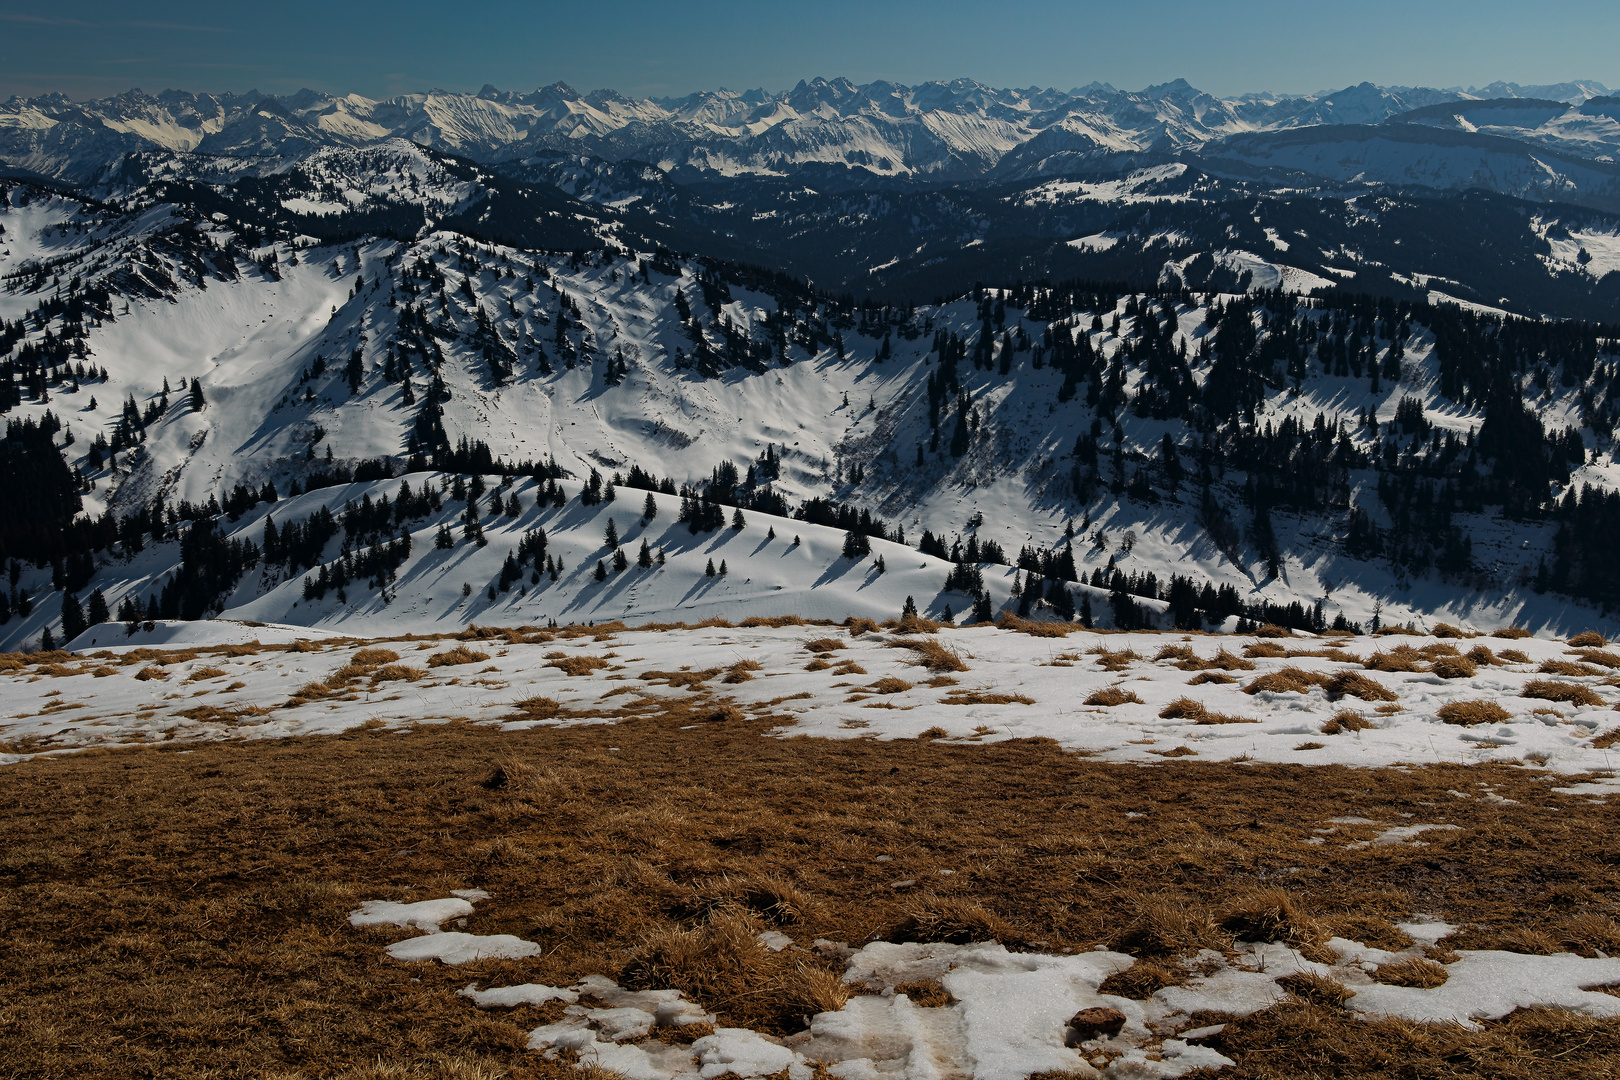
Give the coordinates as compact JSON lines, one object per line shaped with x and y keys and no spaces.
{"x":92,"y":49}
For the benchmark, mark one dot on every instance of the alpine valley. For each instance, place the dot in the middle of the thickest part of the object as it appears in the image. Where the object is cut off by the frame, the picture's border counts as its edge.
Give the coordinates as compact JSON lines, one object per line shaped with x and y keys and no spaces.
{"x":1134,"y":359}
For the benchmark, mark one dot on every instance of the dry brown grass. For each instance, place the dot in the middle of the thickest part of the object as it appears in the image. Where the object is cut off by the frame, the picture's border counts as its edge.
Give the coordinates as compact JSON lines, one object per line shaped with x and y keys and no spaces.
{"x":824,"y":645}
{"x":1417,"y":971}
{"x":205,"y":673}
{"x":773,"y":621}
{"x":1274,"y":914}
{"x":184,"y":914}
{"x":1265,"y":650}
{"x":1143,"y":979}
{"x":1219,"y":677}
{"x":1446,"y":630}
{"x":458,"y":655}
{"x":370,"y":658}
{"x":925,"y":993}
{"x":1036,"y":627}
{"x":1552,"y":690}
{"x":1355,"y":684}
{"x":1404,"y":658}
{"x":1590,"y":639}
{"x":1568,"y":668}
{"x":1271,"y":630}
{"x":1599,"y":657}
{"x":1468,"y":713}
{"x":1183,"y":708}
{"x":582,"y":665}
{"x":1347,"y":721}
{"x":390,"y":672}
{"x":857,"y":627}
{"x":1454,"y":667}
{"x":1290,"y":680}
{"x":889,"y":685}
{"x":1512,"y":633}
{"x":984,"y":697}
{"x":147,"y":674}
{"x":1481,"y":654}
{"x":1317,"y":989}
{"x":1113,"y":695}
{"x":933,"y":654}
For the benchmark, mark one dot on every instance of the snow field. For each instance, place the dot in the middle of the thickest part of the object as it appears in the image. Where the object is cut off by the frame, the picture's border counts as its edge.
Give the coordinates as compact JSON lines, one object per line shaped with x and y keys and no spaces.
{"x":1104,"y":695}
{"x":1004,"y":1015}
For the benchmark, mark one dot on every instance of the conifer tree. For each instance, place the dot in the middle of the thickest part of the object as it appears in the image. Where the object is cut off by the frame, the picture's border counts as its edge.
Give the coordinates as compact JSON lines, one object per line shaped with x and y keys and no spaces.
{"x":708,"y":571}
{"x":644,"y":557}
{"x":601,"y":570}
{"x":96,"y":611}
{"x":649,"y":509}
{"x":612,"y":537}
{"x":72,"y":617}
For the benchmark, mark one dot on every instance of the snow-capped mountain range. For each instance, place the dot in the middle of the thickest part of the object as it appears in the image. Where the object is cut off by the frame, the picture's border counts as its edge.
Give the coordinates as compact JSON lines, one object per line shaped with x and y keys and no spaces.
{"x":941,"y":131}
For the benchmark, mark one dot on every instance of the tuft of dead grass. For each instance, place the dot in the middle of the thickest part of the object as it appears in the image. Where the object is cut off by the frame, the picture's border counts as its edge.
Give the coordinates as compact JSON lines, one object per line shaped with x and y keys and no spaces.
{"x":1512,"y":633}
{"x":1481,"y":654}
{"x":1114,"y":659}
{"x":1288,"y":680}
{"x":1162,"y":925}
{"x":1416,"y":971}
{"x":1454,"y":667}
{"x":1590,"y":639}
{"x":740,"y":672}
{"x":722,"y":960}
{"x":1552,"y":690}
{"x":1264,"y":650}
{"x":1346,"y":721}
{"x":1355,"y":684}
{"x":205,"y":673}
{"x":1568,"y":668}
{"x":933,"y":654}
{"x":1600,"y":657}
{"x":1469,"y":713}
{"x":1113,"y":695}
{"x":1271,"y":630}
{"x":1203,"y":677}
{"x":889,"y":685}
{"x":1274,"y":914}
{"x":984,"y":697}
{"x":1035,"y":627}
{"x":1404,"y":658}
{"x":577,"y":665}
{"x":857,"y":627}
{"x":1143,"y":979}
{"x":824,"y":645}
{"x":458,"y":655}
{"x":956,"y":921}
{"x":1317,"y":989}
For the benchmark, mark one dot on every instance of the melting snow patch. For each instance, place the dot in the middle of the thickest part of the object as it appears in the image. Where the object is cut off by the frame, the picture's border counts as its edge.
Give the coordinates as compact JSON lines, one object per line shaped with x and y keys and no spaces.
{"x":456,"y":948}
{"x":1403,"y":834}
{"x":1009,"y":1014}
{"x":426,"y":915}
{"x":1488,"y":984}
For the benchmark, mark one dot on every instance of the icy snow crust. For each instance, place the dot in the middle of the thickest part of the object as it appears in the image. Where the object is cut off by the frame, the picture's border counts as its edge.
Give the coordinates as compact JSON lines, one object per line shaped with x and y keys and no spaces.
{"x":98,"y":701}
{"x":1008,"y":1013}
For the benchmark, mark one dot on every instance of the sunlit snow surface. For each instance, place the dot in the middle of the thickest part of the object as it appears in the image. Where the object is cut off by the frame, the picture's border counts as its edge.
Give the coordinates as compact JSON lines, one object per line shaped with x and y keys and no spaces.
{"x":104,"y":697}
{"x":1008,"y":1013}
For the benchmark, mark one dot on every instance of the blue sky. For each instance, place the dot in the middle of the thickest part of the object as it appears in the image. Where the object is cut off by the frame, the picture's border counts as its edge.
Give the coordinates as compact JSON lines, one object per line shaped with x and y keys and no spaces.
{"x":671,"y":48}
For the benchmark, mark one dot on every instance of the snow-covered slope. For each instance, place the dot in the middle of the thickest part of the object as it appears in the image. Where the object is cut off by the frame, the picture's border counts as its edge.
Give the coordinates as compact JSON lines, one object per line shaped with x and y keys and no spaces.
{"x":590,"y":364}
